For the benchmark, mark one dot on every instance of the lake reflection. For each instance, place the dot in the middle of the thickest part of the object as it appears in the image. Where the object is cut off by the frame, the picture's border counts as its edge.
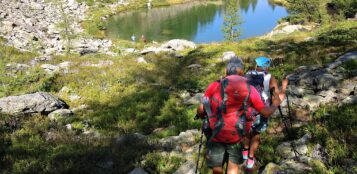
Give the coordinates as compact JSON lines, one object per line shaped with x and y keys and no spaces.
{"x":198,"y":22}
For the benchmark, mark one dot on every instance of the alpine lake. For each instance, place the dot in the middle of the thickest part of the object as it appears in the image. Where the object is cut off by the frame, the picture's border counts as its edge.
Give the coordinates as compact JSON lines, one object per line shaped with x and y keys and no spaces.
{"x":200,"y":22}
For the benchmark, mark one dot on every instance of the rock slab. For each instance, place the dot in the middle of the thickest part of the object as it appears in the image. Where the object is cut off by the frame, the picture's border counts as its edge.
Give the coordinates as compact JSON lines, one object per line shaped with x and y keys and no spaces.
{"x":39,"y":102}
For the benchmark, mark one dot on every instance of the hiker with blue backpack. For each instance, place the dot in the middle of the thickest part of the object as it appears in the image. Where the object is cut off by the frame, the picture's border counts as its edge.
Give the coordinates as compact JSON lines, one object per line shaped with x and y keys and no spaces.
{"x":227,"y":108}
{"x":264,"y":82}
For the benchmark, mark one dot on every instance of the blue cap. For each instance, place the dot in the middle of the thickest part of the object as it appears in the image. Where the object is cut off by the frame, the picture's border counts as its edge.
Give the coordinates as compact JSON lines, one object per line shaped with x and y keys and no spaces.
{"x":263,"y":62}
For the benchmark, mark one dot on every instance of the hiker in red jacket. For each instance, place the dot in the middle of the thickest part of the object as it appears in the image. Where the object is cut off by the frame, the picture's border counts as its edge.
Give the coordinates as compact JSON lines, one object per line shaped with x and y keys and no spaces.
{"x":227,"y":105}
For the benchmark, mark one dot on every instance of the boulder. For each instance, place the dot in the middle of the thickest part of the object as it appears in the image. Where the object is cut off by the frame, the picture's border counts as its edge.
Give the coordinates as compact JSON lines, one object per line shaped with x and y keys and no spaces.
{"x":154,"y":50}
{"x":286,"y":150}
{"x":311,"y":102}
{"x":6,"y":26}
{"x":65,"y":65}
{"x":179,"y":44}
{"x":40,"y":59}
{"x":141,"y":60}
{"x":344,"y":58}
{"x":74,"y":97}
{"x":299,"y":91}
{"x":138,"y":170}
{"x":286,"y":28}
{"x":292,"y":166}
{"x":319,"y":153}
{"x":101,"y":63}
{"x":329,"y":96}
{"x":325,"y":81}
{"x":50,"y":68}
{"x":350,"y":100}
{"x":188,"y":167}
{"x":196,"y":99}
{"x":39,"y":102}
{"x":170,"y":46}
{"x":194,"y":66}
{"x":349,"y":87}
{"x":184,"y":142}
{"x":15,"y":67}
{"x":271,"y":168}
{"x":60,"y":113}
{"x":228,"y":55}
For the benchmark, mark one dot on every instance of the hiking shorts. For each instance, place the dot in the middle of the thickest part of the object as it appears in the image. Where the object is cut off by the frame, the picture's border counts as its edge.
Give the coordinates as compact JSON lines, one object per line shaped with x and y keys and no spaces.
{"x":216,"y":151}
{"x":260,"y":124}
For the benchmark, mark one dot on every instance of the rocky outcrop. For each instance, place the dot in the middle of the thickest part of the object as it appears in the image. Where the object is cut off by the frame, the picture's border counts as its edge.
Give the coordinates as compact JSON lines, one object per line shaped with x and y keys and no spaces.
{"x":39,"y":102}
{"x":170,"y":46}
{"x":61,"y":67}
{"x":312,"y":86}
{"x":286,"y":28}
{"x":34,"y":25}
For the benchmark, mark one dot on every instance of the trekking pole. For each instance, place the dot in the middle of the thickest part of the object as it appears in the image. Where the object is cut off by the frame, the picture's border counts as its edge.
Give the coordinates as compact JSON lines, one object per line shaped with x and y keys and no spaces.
{"x":284,"y":119}
{"x":199,"y":151}
{"x":291,"y":124}
{"x":287,"y":130}
{"x":289,"y":110}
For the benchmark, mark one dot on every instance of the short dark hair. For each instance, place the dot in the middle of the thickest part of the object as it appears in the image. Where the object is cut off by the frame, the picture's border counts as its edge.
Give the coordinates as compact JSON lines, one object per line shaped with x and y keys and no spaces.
{"x":233,"y":64}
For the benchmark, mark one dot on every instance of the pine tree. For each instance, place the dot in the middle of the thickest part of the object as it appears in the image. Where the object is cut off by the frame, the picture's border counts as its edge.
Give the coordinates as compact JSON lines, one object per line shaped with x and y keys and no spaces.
{"x":232,"y":21}
{"x":66,"y":25}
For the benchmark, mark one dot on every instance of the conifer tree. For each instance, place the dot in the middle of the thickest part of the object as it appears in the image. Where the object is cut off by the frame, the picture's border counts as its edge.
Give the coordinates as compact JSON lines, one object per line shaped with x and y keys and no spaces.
{"x":232,"y":20}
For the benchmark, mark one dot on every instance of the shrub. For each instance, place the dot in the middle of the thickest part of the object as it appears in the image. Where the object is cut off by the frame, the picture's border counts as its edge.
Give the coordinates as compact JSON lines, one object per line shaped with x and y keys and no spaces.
{"x":346,"y":7}
{"x":339,"y":36}
{"x":309,"y":9}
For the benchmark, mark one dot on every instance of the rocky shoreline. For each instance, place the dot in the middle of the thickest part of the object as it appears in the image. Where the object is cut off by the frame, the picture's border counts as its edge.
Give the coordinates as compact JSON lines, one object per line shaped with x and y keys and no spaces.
{"x":54,"y":27}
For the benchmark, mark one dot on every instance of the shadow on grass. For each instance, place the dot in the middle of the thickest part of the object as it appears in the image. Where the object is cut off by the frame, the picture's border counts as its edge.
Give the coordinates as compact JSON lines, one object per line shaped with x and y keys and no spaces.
{"x":151,"y":100}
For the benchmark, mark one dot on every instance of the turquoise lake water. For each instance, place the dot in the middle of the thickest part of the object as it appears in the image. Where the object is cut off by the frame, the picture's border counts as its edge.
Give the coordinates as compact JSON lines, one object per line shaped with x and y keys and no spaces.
{"x":197,"y":22}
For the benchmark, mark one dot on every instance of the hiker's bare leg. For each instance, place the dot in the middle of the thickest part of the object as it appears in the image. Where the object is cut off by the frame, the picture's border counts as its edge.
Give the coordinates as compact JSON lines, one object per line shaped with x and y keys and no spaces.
{"x":255,"y":141}
{"x":232,"y":168}
{"x":217,"y":170}
{"x":246,"y":141}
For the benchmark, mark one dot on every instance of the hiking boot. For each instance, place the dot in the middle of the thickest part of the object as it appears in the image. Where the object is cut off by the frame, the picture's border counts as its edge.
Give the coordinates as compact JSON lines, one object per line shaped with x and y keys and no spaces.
{"x":245,"y":153}
{"x":250,"y":162}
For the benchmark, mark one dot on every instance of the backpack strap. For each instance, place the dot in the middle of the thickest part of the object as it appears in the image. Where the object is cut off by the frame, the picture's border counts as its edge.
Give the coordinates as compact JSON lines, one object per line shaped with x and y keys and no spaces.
{"x":219,"y":124}
{"x":224,"y":84}
{"x":240,"y":125}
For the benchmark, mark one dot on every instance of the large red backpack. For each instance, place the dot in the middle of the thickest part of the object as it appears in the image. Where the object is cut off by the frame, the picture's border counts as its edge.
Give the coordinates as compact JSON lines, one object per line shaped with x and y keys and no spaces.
{"x":229,"y":107}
